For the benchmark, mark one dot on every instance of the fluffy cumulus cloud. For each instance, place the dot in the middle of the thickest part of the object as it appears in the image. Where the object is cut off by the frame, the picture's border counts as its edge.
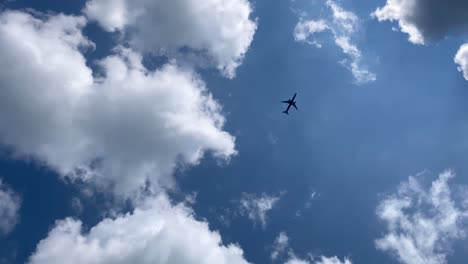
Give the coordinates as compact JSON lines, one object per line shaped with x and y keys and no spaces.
{"x":217,"y":32}
{"x":461,"y":58}
{"x":126,"y":127}
{"x":157,"y":232}
{"x":426,"y":20}
{"x":343,"y":25}
{"x":9,"y":209}
{"x":429,"y":20}
{"x":422,"y":223}
{"x":256,"y":208}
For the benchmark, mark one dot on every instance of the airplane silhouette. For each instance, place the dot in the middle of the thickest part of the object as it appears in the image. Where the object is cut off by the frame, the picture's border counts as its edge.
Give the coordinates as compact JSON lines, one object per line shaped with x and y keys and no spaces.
{"x":290,"y":102}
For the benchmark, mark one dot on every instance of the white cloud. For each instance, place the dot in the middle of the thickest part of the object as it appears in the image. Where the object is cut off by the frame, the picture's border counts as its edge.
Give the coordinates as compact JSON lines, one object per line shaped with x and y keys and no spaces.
{"x":218,"y":31}
{"x":332,"y":260}
{"x":348,"y":48}
{"x":422,"y":223}
{"x":10,"y":204}
{"x":429,"y":20}
{"x":306,"y":28}
{"x":112,"y":15}
{"x":395,"y":10}
{"x":280,"y":245}
{"x":425,"y":20}
{"x":343,"y":25}
{"x":309,"y":201}
{"x":345,"y":20}
{"x":295,"y":260}
{"x":461,"y":58}
{"x":307,"y":204}
{"x":257,"y":207}
{"x":124,"y":128}
{"x":321,"y":260}
{"x":157,"y":232}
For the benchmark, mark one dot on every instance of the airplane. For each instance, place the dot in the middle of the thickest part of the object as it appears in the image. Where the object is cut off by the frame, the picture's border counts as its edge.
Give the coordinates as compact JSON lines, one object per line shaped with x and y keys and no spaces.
{"x":290,"y":102}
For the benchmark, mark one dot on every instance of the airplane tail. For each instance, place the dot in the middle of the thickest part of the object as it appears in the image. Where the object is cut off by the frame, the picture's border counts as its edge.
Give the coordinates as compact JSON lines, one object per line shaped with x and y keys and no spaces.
{"x":286,"y":112}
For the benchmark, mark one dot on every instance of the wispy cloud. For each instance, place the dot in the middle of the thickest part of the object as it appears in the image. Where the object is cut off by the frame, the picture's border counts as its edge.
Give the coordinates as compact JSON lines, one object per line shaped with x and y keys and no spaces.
{"x":280,"y":245}
{"x":343,"y":25}
{"x":256,"y":208}
{"x":307,"y":204}
{"x":10,"y":204}
{"x":320,"y":260}
{"x":421,"y":224}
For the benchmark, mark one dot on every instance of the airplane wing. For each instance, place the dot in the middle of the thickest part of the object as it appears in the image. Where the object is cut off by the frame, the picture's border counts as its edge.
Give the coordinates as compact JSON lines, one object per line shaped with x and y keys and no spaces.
{"x":294,"y":104}
{"x":286,"y":102}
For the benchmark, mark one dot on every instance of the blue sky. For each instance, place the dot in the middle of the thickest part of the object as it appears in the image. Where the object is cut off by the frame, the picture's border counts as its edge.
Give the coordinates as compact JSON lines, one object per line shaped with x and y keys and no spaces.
{"x":156,"y":125}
